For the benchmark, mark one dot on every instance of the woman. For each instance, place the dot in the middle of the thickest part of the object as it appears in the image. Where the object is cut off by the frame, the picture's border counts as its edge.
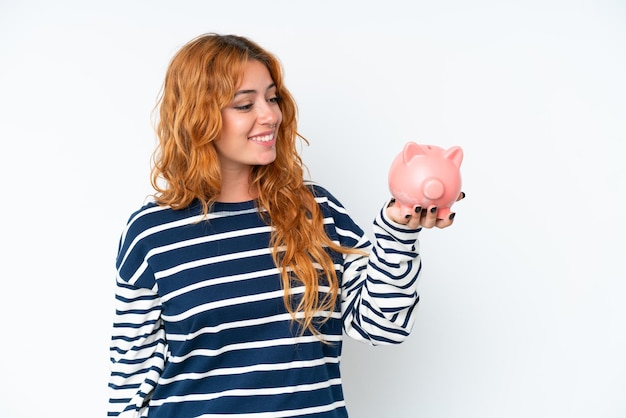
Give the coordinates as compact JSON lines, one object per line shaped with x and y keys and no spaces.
{"x":235,"y":285}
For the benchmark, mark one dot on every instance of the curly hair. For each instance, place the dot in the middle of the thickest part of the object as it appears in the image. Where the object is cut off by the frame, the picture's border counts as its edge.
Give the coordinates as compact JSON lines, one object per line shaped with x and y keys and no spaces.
{"x":200,"y":81}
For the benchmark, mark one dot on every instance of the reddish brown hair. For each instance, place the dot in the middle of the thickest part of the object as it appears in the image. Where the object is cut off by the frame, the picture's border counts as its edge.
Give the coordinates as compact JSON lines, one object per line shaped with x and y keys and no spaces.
{"x":200,"y":81}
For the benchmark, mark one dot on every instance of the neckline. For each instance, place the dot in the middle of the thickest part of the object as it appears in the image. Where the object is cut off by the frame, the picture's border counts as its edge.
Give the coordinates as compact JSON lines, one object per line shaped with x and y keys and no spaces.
{"x":231,"y":206}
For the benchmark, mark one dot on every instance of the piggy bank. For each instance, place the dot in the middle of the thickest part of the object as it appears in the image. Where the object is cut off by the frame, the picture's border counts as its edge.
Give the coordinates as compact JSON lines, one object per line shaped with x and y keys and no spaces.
{"x":425,"y":175}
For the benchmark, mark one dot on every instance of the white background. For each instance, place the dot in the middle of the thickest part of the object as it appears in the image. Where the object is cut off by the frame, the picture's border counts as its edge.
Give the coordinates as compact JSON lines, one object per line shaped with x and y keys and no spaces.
{"x":523,"y":309}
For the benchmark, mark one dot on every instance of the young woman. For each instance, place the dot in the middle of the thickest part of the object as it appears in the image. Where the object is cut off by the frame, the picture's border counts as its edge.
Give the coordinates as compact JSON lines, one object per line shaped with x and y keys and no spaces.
{"x":236,"y":284}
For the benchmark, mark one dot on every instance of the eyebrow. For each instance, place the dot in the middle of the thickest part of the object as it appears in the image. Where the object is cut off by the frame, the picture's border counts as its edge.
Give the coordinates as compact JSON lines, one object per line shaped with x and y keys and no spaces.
{"x":240,"y":92}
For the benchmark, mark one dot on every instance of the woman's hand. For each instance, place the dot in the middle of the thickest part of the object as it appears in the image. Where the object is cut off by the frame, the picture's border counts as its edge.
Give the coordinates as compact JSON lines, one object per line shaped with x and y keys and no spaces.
{"x":420,"y":217}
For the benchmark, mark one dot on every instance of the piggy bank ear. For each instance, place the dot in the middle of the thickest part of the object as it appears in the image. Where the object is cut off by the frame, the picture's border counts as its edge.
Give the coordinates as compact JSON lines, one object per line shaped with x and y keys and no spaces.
{"x":455,"y":154}
{"x":411,"y":149}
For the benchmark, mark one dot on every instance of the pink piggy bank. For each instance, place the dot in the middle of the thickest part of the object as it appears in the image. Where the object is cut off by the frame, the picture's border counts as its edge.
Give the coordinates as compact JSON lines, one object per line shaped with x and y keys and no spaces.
{"x":425,"y":175}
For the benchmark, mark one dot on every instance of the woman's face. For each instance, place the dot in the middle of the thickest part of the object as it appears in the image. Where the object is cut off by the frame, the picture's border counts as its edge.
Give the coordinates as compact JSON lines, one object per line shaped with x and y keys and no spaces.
{"x":250,"y":121}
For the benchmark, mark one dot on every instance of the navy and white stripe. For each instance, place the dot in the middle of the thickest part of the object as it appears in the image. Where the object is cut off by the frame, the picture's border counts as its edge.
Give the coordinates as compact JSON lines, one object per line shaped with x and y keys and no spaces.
{"x":201,"y":329}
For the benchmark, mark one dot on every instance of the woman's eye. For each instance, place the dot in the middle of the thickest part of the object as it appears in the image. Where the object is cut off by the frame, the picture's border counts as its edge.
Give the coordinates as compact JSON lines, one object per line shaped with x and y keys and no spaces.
{"x":244,"y":107}
{"x":274,"y":99}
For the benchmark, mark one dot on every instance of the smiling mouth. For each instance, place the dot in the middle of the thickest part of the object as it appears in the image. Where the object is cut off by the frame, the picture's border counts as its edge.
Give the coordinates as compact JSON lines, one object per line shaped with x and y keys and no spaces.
{"x":262,"y":138}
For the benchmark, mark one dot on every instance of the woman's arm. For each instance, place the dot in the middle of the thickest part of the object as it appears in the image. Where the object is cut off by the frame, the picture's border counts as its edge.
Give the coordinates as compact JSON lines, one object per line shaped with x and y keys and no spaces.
{"x":138,"y":350}
{"x":379,"y":292}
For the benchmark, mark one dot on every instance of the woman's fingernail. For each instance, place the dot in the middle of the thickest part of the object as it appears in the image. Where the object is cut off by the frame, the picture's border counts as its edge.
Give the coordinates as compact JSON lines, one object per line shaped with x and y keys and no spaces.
{"x":433,"y":209}
{"x":408,"y":216}
{"x":418,"y":209}
{"x":462,"y":195}
{"x":452,"y":215}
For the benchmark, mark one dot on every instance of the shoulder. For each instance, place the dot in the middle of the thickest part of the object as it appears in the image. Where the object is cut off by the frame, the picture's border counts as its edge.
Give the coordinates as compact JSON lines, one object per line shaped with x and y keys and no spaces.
{"x":322,"y":195}
{"x":151,"y":218}
{"x":148,"y":215}
{"x":339,"y":224}
{"x":330,"y":205}
{"x":152,"y":226}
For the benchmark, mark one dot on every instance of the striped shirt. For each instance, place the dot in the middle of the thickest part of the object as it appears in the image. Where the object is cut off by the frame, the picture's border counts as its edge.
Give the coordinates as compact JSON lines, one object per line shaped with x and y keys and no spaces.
{"x":201,"y":329}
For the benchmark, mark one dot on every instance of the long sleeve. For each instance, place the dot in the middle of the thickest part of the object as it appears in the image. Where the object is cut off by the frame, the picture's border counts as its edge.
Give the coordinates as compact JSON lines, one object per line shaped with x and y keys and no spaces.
{"x":379,"y":293}
{"x":378,"y":290}
{"x":137,"y":350}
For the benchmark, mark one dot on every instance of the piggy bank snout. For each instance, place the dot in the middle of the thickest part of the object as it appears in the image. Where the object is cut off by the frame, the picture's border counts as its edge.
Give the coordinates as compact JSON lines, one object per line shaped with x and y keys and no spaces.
{"x":433,"y":188}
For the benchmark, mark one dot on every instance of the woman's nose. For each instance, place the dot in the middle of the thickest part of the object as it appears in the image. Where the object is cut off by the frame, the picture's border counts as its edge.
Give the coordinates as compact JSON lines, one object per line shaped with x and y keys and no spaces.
{"x":269,"y":114}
